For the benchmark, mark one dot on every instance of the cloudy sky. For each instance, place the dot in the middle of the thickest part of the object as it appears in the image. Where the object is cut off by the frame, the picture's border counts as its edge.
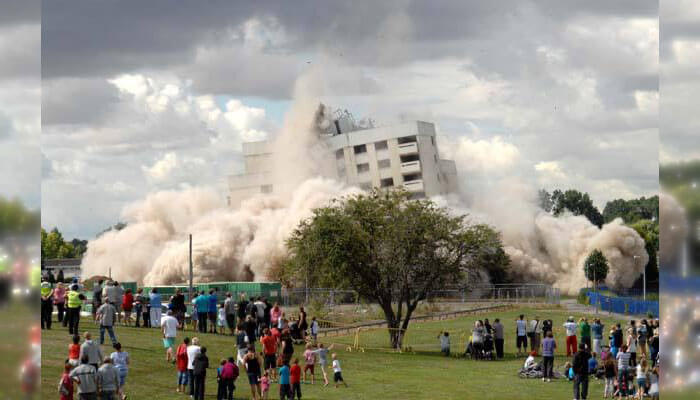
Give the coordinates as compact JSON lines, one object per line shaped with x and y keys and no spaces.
{"x":142,"y":96}
{"x":20,"y":101}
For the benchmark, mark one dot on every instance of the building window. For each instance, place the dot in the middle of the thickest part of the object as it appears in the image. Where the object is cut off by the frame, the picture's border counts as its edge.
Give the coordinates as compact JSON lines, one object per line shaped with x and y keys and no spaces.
{"x":366,"y":185}
{"x":412,"y":177}
{"x":407,"y":139}
{"x":339,"y":154}
{"x":266,"y":189}
{"x":409,"y":158}
{"x":388,"y":182}
{"x":383,"y":164}
{"x":360,"y":149}
{"x":381,"y":145}
{"x":362,"y":168}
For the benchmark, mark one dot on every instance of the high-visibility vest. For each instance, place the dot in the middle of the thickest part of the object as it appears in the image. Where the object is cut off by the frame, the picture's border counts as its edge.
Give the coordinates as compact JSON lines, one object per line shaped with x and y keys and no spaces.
{"x":45,"y":291}
{"x":74,"y":299}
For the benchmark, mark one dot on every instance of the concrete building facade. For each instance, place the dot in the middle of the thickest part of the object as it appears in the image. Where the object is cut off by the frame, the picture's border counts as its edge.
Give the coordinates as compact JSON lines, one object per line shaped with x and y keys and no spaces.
{"x":404,"y":155}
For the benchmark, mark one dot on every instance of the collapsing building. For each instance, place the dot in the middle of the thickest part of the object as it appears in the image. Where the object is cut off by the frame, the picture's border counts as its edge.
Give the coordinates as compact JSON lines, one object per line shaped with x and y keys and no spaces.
{"x":404,"y":155}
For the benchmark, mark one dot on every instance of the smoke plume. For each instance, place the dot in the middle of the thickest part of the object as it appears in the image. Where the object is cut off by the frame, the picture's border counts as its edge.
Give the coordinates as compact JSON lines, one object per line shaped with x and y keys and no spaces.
{"x":245,"y":243}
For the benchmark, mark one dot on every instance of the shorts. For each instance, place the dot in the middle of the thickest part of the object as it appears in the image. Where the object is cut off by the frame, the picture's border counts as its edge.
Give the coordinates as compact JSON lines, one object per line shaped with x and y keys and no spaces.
{"x":183,"y":378}
{"x":309,"y":367}
{"x":641,"y":382}
{"x":123,"y":372}
{"x":74,"y":362}
{"x":521,"y":341}
{"x":338,"y":377}
{"x":241,"y":354}
{"x":253,"y":379}
{"x":168,"y":342}
{"x":270,"y":361}
{"x":212,"y":316}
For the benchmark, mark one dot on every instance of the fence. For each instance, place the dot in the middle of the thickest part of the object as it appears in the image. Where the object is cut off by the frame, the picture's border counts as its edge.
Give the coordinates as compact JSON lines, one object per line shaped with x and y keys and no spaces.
{"x":623,"y":305}
{"x":509,"y":293}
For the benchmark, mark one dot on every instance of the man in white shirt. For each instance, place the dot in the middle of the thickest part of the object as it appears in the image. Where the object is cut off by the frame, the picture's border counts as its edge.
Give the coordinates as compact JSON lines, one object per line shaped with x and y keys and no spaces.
{"x":169,"y":325}
{"x":192,"y":351}
{"x":570,"y":327}
{"x":521,"y":335}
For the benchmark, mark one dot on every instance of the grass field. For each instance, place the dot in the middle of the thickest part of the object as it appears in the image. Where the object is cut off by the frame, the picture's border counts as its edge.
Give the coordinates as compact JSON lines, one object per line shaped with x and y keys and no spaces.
{"x":372,"y":374}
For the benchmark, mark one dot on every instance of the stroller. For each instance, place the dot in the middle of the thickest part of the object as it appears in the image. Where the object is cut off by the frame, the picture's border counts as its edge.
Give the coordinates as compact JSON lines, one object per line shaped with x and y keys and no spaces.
{"x":296,"y":333}
{"x":488,"y":351}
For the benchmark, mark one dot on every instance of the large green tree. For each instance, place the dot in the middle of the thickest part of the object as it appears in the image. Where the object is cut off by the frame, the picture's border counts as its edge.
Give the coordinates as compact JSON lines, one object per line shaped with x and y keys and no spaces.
{"x":577,"y":203}
{"x":391,"y":250}
{"x":54,"y":246}
{"x":16,"y":219}
{"x":596,"y":267}
{"x":632,"y":210}
{"x":649,"y":231}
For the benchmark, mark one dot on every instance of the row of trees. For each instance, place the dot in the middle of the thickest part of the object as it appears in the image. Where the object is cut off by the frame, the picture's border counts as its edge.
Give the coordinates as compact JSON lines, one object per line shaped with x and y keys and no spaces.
{"x":54,"y":246}
{"x":16,"y":219}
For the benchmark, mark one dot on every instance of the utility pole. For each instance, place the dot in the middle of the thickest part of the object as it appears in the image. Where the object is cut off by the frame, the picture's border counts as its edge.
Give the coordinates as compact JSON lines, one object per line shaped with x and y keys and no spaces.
{"x":191,"y":267}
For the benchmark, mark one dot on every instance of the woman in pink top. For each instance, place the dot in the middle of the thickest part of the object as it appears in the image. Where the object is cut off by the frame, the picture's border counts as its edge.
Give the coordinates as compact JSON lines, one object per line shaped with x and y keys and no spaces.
{"x":59,"y":299}
{"x":275,"y":314}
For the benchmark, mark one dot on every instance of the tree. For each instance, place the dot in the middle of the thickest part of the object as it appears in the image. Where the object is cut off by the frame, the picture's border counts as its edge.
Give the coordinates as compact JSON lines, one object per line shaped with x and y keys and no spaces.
{"x":391,"y":250}
{"x":596,"y":267}
{"x":578,"y":204}
{"x":545,"y":200}
{"x":15,"y":219}
{"x":632,"y":210}
{"x":53,"y":245}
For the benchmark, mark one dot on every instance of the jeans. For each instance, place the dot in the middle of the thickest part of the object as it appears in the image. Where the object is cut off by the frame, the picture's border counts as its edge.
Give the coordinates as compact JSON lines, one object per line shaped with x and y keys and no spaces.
{"x":110,"y":330}
{"x":202,"y":322}
{"x":183,"y":378}
{"x":582,"y":382}
{"x":225,"y":389}
{"x":548,"y":366}
{"x":87,"y":396}
{"x":296,"y":390}
{"x":155,"y":316}
{"x":622,"y":378}
{"x":285,"y":391}
{"x":109,"y":395}
{"x":73,"y":320}
{"x":138,"y":309}
{"x":499,"y":347}
{"x":190,"y":379}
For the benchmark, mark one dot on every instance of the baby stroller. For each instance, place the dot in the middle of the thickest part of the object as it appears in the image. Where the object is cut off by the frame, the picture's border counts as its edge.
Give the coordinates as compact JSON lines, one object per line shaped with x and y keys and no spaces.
{"x":488,"y":351}
{"x":295,"y":332}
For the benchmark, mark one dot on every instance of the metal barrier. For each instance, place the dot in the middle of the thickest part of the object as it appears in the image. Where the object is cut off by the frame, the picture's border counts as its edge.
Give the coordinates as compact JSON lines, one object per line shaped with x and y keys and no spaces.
{"x":623,"y":305}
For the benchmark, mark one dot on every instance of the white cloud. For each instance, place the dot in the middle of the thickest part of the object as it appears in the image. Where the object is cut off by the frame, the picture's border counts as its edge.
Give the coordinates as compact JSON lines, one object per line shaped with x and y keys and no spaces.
{"x":162,"y":168}
{"x":550,"y":170}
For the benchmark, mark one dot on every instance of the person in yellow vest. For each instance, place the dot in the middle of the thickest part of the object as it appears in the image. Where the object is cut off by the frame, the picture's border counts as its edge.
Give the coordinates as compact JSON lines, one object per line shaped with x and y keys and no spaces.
{"x":46,"y":305}
{"x":74,"y":301}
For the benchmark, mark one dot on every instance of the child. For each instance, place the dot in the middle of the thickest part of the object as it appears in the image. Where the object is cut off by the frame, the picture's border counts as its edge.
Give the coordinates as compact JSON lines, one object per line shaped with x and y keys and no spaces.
{"x":74,"y":352}
{"x":569,"y":371}
{"x":654,"y":380}
{"x":314,"y":330}
{"x":65,"y":386}
{"x":181,"y":364}
{"x":610,"y":372}
{"x":295,"y":379}
{"x":221,"y":319}
{"x":445,"y":343}
{"x":285,"y":387}
{"x":323,"y":360}
{"x":309,"y":363}
{"x":641,"y":378}
{"x":221,"y":387}
{"x":337,"y":372}
{"x":265,"y":385}
{"x":592,"y":364}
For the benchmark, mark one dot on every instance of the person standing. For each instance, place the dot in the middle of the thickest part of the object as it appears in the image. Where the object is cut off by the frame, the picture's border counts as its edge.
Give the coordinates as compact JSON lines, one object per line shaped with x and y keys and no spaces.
{"x":75,"y":302}
{"x":120,"y":360}
{"x":623,"y":364}
{"x":199,"y":370}
{"x":139,"y":301}
{"x":212,"y":310}
{"x":285,"y":379}
{"x":585,"y":331}
{"x":654,"y":348}
{"x":499,"y":340}
{"x":242,"y":306}
{"x":303,"y":324}
{"x":535,"y":334}
{"x":46,"y":305}
{"x":179,"y":308}
{"x":127,"y":306}
{"x":570,"y":327}
{"x":59,"y":277}
{"x":295,"y":379}
{"x":202,"y":305}
{"x":549,"y":345}
{"x":580,"y":366}
{"x":193,"y":351}
{"x":230,"y":313}
{"x":91,"y":350}
{"x":108,"y":380}
{"x":119,"y":289}
{"x":275,"y":314}
{"x":268,"y":308}
{"x":228,"y":375}
{"x":269,"y":344}
{"x":156,"y":303}
{"x":85,"y":375}
{"x":242,"y":342}
{"x":169,"y":325}
{"x":181,"y":365}
{"x":521,"y":335}
{"x":106,"y":315}
{"x":59,"y":300}
{"x":597,"y":333}
{"x":642,"y":339}
{"x":254,"y":371}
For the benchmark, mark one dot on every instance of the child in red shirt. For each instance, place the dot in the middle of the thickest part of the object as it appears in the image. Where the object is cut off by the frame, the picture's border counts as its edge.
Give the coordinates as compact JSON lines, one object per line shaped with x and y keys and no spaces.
{"x":295,"y":379}
{"x":65,"y":386}
{"x":74,"y":352}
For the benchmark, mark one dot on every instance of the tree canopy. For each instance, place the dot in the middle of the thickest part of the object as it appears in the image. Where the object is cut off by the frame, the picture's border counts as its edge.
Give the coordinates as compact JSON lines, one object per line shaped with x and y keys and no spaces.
{"x":16,"y":219}
{"x":596,"y":267}
{"x":632,"y":210}
{"x":391,"y":250}
{"x":577,"y":203}
{"x":649,"y":231}
{"x":54,"y":246}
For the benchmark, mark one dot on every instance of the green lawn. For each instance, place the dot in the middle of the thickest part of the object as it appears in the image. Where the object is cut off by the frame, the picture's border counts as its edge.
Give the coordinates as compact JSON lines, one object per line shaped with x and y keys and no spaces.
{"x":372,"y":374}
